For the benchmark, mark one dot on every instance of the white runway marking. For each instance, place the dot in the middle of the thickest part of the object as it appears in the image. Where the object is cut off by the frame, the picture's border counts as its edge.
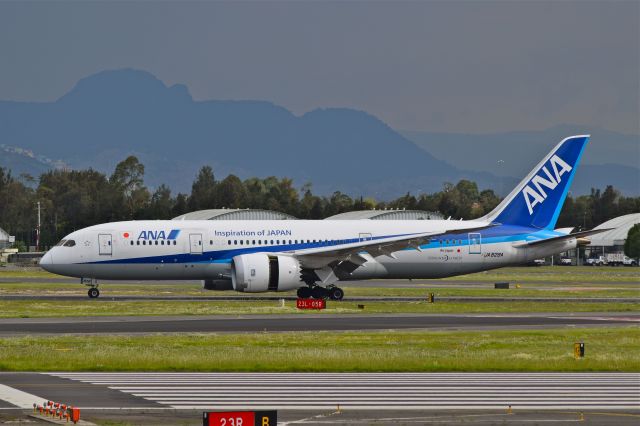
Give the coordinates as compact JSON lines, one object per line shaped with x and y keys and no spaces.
{"x":382,"y":391}
{"x":18,"y":398}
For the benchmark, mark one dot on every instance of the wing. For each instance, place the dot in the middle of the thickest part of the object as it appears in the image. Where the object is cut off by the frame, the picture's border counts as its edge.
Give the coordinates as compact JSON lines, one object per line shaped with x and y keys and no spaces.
{"x":355,"y":252}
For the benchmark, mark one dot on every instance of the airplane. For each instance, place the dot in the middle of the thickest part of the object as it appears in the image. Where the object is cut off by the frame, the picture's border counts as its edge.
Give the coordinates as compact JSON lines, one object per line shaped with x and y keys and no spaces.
{"x":313,"y":256}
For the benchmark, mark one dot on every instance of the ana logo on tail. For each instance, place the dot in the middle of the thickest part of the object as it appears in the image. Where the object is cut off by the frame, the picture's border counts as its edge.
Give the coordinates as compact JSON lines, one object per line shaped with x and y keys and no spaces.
{"x":534,"y":193}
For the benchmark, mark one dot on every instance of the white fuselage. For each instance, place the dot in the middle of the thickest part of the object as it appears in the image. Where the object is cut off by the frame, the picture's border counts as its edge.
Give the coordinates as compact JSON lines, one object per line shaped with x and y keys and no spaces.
{"x":203,"y":249}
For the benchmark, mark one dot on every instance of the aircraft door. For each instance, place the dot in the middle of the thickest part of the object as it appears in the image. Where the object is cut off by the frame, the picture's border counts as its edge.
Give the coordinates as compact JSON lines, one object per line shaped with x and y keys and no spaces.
{"x":475,"y":243}
{"x":105,"y":247}
{"x":195,"y":242}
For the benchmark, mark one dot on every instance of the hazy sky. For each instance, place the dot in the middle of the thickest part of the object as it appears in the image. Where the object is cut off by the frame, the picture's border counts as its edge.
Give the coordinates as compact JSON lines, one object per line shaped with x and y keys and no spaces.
{"x":435,"y":66}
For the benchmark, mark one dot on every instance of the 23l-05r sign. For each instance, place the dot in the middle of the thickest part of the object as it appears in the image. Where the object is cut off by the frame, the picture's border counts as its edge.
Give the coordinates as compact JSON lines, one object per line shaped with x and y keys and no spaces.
{"x":240,"y":418}
{"x":311,"y":304}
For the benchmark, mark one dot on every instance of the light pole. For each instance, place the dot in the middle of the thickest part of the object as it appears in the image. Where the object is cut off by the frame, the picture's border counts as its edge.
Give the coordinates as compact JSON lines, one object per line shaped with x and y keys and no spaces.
{"x":38,"y":230}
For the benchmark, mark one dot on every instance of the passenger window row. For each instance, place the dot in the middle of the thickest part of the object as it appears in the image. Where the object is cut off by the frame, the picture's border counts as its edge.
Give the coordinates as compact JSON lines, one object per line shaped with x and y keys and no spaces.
{"x":277,"y":242}
{"x":144,"y":243}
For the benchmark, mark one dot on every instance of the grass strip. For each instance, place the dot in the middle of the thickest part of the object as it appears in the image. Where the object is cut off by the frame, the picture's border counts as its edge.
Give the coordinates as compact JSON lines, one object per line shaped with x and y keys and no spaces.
{"x":40,"y":309}
{"x":607,"y":349}
{"x":515,"y":274}
{"x":192,"y":290}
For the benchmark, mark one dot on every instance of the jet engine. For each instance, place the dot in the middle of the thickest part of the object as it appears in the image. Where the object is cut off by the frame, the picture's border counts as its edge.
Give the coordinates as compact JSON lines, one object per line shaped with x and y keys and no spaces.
{"x":258,"y":272}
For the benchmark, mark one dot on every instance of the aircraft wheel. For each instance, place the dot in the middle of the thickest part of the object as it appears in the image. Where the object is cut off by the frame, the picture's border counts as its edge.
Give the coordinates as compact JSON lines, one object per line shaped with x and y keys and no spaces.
{"x":319,"y":293}
{"x":93,"y":292}
{"x":304,"y":292}
{"x":336,"y":293}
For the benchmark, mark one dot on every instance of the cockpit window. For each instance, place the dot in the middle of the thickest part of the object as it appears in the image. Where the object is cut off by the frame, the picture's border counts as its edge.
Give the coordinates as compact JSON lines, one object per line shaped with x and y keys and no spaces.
{"x":61,"y":243}
{"x":70,"y":243}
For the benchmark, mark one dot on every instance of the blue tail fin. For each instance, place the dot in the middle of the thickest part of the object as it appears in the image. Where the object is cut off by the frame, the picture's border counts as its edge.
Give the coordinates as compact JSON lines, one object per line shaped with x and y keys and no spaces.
{"x":537,"y":200}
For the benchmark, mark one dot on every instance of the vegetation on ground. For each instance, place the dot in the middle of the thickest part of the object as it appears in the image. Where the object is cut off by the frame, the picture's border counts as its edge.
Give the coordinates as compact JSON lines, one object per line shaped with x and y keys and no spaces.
{"x":607,"y":349}
{"x":53,"y":308}
{"x":420,"y":290}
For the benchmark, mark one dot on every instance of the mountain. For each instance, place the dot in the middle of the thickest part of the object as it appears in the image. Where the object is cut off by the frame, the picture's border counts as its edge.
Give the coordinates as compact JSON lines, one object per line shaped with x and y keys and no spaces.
{"x":610,"y":158}
{"x":112,"y":114}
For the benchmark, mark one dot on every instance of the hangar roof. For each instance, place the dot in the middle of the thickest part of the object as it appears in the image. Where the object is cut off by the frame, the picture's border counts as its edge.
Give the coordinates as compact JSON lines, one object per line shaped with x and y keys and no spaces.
{"x":387,"y":215}
{"x":618,"y":235}
{"x":235,"y":214}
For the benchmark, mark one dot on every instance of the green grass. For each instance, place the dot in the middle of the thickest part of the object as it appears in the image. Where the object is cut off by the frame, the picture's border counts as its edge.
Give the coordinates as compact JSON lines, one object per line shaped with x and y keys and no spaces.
{"x":194,"y":290}
{"x":607,"y":349}
{"x":33,"y":309}
{"x":557,"y":274}
{"x":32,"y":272}
{"x":515,"y":274}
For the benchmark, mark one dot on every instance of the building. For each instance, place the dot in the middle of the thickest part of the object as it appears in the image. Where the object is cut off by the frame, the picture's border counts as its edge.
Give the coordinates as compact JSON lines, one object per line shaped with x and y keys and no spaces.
{"x":612,"y":241}
{"x":4,"y":239}
{"x":388,"y":215}
{"x":235,"y":214}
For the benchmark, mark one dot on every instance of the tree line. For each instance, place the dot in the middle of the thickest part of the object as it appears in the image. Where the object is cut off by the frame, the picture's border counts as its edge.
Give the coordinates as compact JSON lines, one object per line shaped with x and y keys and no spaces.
{"x":74,"y":199}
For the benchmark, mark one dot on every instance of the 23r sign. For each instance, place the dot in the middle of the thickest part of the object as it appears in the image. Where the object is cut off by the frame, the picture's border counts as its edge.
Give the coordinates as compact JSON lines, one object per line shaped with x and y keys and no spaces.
{"x":240,"y":418}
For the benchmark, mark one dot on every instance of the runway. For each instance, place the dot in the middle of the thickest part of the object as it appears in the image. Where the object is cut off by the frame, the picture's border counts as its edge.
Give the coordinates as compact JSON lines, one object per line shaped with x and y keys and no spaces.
{"x":324,"y":391}
{"x":304,"y":322}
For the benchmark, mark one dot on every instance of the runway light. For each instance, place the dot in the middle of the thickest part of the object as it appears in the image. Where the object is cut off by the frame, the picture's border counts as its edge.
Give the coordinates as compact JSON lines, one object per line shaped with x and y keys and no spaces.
{"x":360,"y":306}
{"x":578,"y":350}
{"x":58,"y":410}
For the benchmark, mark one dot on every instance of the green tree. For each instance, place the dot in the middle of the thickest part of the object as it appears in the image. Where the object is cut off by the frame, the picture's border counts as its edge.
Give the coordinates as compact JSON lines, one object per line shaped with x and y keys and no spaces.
{"x":128,"y":179}
{"x":203,"y":190}
{"x":161,"y":204}
{"x":180,"y":206}
{"x":632,"y":244}
{"x":231,"y":193}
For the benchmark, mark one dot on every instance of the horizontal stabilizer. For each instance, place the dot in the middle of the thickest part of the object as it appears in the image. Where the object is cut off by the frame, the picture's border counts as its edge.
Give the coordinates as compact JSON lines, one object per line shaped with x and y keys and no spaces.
{"x":580,"y":234}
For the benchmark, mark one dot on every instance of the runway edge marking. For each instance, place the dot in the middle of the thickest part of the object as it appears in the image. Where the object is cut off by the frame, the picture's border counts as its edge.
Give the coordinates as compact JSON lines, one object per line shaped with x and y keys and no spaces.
{"x":17,"y":397}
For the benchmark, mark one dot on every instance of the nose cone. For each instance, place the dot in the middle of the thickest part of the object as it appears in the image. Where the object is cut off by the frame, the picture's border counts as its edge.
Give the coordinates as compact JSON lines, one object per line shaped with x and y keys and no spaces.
{"x":46,"y":262}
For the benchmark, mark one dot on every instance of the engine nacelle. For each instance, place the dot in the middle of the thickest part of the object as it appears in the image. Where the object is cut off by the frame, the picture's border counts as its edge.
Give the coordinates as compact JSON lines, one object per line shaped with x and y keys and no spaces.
{"x":217,"y":285}
{"x":258,"y":272}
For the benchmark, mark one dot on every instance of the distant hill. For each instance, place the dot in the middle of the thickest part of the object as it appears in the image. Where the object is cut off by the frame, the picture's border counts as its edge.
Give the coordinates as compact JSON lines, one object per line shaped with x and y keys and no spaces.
{"x":112,"y":114}
{"x":609,"y":159}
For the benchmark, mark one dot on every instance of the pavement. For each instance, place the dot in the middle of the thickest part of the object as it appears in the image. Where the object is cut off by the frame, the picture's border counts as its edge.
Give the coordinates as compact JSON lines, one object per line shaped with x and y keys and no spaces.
{"x":304,"y":322}
{"x":336,"y":398}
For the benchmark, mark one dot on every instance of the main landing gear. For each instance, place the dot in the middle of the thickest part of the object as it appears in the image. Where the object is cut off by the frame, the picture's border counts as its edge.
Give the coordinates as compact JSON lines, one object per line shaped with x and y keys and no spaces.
{"x":93,"y":292}
{"x":331,"y":292}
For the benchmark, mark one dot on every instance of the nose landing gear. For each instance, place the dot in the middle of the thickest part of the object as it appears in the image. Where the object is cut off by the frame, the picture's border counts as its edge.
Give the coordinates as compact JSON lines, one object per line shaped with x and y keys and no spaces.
{"x":93,"y":287}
